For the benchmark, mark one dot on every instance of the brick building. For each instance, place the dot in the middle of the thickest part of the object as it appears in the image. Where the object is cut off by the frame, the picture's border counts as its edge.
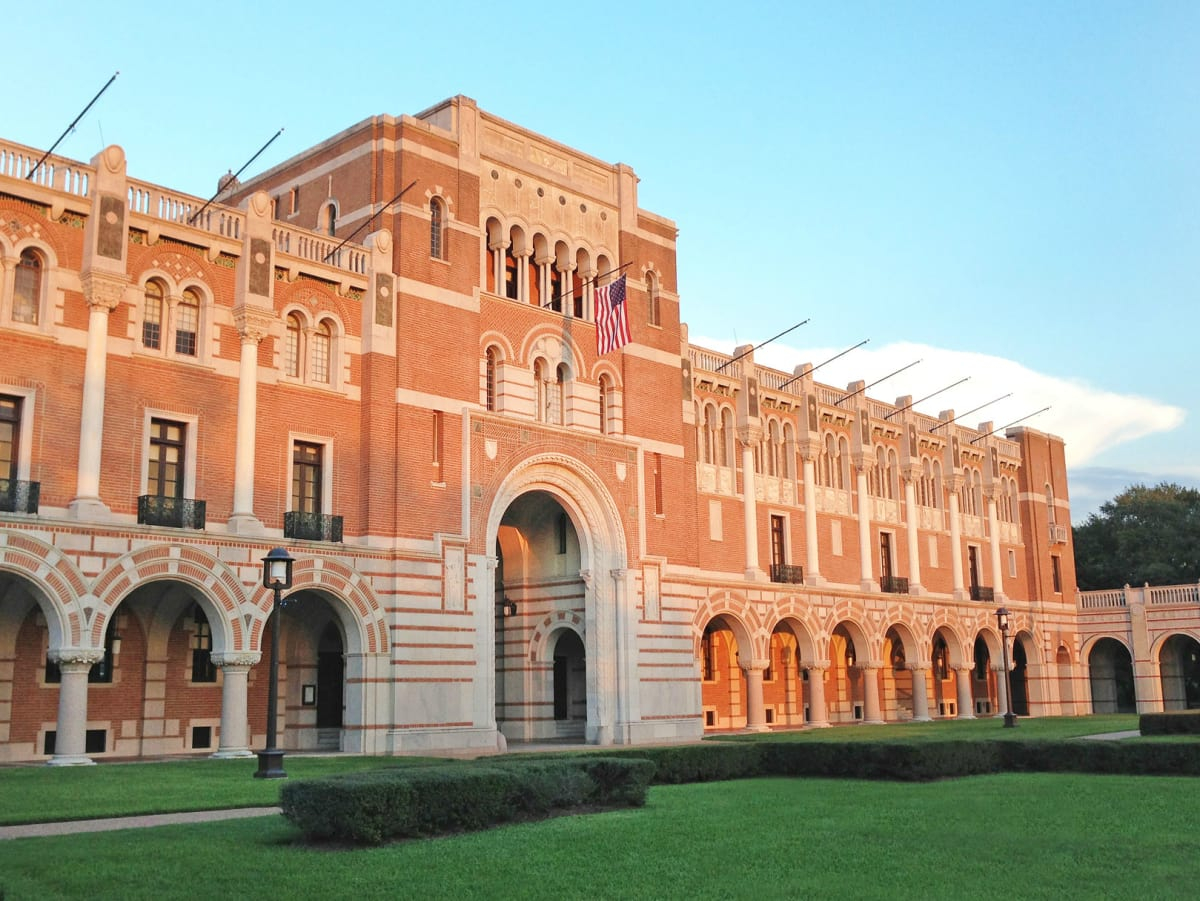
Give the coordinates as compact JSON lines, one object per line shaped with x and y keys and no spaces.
{"x":381,"y":355}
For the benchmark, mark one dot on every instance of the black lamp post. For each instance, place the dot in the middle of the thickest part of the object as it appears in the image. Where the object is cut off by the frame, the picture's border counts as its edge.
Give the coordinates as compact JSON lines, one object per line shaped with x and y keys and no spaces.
{"x":1010,"y":718}
{"x":277,"y":575}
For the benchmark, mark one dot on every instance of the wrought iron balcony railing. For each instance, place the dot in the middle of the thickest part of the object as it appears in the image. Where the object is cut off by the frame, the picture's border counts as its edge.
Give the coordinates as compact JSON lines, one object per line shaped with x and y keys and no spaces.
{"x":785,"y":572}
{"x":894,"y":584}
{"x":19,"y":497}
{"x":312,"y":526}
{"x":982,"y":593}
{"x":174,"y":512}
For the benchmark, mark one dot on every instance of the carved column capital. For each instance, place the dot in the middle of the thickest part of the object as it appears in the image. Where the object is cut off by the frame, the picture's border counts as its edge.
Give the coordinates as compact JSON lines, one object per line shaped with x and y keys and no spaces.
{"x":74,"y":659}
{"x":102,"y":290}
{"x":236,"y":658}
{"x":253,"y":325}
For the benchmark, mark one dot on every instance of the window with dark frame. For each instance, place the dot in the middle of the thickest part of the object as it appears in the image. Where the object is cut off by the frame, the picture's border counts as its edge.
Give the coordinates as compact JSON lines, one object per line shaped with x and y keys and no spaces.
{"x":203,"y":669}
{"x":778,"y":546}
{"x":1056,"y":573}
{"x":10,"y":441}
{"x":165,"y":472}
{"x":152,"y":311}
{"x":562,"y":533}
{"x":437,"y":248}
{"x":187,"y":321}
{"x":490,"y":377}
{"x":307,"y":459}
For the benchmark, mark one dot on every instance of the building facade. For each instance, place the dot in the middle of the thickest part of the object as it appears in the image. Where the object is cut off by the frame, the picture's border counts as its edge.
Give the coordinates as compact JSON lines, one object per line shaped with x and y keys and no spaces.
{"x":381,"y":355}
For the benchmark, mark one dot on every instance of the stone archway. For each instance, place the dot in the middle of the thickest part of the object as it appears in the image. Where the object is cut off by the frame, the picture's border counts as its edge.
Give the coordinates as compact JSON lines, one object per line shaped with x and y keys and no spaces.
{"x":1110,"y":672}
{"x":562,"y":554}
{"x":1179,"y":670}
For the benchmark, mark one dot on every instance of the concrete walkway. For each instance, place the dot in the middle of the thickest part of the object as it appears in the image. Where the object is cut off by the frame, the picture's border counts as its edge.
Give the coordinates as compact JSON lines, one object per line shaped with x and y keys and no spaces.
{"x":1113,"y":736}
{"x":108,"y":824}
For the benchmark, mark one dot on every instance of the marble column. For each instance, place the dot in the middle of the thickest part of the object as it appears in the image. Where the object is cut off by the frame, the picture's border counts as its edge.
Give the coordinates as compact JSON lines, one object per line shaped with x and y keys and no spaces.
{"x":818,"y":715}
{"x":1001,"y":688}
{"x":963,"y":676}
{"x":866,"y":551}
{"x":70,"y":738}
{"x":920,"y":693}
{"x":956,"y":555}
{"x":103,"y":293}
{"x":911,"y":523}
{"x":872,"y":710}
{"x":756,"y":717}
{"x":812,"y":564}
{"x":994,"y":547}
{"x":253,"y":328}
{"x":750,"y":509}
{"x":235,"y":720}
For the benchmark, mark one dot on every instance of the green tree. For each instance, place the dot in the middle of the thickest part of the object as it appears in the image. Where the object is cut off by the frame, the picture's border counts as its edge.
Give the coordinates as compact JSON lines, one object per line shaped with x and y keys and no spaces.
{"x":1143,"y":535}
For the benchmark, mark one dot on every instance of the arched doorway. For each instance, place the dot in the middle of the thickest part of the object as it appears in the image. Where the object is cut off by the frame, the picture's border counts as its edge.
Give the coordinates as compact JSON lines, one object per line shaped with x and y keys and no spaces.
{"x":847,"y":703}
{"x":570,"y":685}
{"x":331,"y":670}
{"x":898,"y":701}
{"x":1019,"y":678}
{"x":541,"y":677}
{"x":1111,"y":675}
{"x":1179,"y":666}
{"x":983,"y":680}
{"x":313,"y":684}
{"x":722,"y":688}
{"x":783,"y":680}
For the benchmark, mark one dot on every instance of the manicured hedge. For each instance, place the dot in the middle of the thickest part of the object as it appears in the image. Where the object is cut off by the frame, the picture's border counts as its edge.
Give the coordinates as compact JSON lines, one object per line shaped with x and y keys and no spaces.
{"x":1183,"y":722}
{"x":380,"y":805}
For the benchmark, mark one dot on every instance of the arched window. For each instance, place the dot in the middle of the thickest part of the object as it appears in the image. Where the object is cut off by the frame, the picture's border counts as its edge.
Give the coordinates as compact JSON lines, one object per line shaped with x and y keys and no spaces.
{"x":322,"y":345}
{"x":510,"y":273}
{"x":437,"y":246}
{"x":539,"y":382}
{"x":490,"y":378}
{"x":843,"y":464}
{"x":561,"y":375}
{"x":27,"y":297}
{"x":330,"y":220}
{"x":652,"y":298}
{"x":774,"y":448}
{"x":728,"y":457}
{"x":291,"y":346}
{"x":1050,"y":505}
{"x":789,"y":452}
{"x":893,"y":474}
{"x":152,"y":314}
{"x":187,"y":321}
{"x":605,"y":400}
{"x":710,"y":434}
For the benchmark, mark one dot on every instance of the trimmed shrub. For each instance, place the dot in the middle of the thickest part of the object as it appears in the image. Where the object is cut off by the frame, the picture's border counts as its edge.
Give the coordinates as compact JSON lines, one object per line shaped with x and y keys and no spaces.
{"x":705,"y":762}
{"x":871,"y":760}
{"x":379,"y":805}
{"x":1182,"y":722}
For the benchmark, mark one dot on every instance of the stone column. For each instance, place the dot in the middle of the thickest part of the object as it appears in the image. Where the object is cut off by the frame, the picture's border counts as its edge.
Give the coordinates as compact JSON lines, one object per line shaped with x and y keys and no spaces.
{"x":522,"y":276}
{"x":872,"y":712}
{"x":70,"y":737}
{"x":588,"y":277}
{"x":911,"y":522}
{"x":812,"y":563}
{"x":624,"y":674}
{"x":966,"y":700}
{"x":750,"y":507}
{"x":994,"y":546}
{"x":252,"y":326}
{"x":235,"y":719}
{"x":818,"y":716}
{"x":1001,"y":687}
{"x":498,"y":249}
{"x":920,"y":693}
{"x":866,"y":550}
{"x":567,"y":301}
{"x":102,"y":292}
{"x":956,"y":558}
{"x":756,"y":717}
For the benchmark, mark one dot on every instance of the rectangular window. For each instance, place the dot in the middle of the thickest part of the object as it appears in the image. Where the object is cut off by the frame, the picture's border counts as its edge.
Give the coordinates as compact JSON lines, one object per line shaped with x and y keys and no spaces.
{"x":187,"y":317}
{"x":152,"y":323}
{"x":973,"y":566}
{"x":168,"y":441}
{"x":510,"y":276}
{"x":658,"y":485}
{"x":1056,"y":574}
{"x":778,"y":548}
{"x":295,"y":200}
{"x":203,"y":669}
{"x":1012,"y":564}
{"x":436,"y":452}
{"x":306,"y":477}
{"x":885,"y":556}
{"x":562,"y":533}
{"x":10,"y":440}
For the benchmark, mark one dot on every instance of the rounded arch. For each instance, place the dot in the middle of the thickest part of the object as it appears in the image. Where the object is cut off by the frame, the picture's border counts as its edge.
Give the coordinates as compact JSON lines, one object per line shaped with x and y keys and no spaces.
{"x":361,"y":616}
{"x":1089,"y":644}
{"x":549,"y":342}
{"x":742,"y":620}
{"x":61,"y":594}
{"x":546,"y":635}
{"x":955,"y":644}
{"x":222,"y":592}
{"x":1156,"y":646}
{"x":916,"y":651}
{"x":791,"y":618}
{"x":583,"y":496}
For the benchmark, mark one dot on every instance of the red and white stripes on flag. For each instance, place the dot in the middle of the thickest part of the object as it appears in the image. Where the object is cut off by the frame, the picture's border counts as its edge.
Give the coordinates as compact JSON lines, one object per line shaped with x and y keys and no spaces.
{"x":612,"y":319}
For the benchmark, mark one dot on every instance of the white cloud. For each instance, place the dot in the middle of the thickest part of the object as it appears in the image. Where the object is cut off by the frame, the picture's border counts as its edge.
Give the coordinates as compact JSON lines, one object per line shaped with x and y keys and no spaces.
{"x":1088,"y":419}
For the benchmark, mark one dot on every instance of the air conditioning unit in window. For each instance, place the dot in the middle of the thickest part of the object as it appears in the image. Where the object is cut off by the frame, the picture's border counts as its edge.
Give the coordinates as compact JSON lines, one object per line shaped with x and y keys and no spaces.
{"x":1058,"y":534}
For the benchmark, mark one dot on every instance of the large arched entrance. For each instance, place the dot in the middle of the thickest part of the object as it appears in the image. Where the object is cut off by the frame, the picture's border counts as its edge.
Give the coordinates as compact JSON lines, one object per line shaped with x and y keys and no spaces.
{"x":983,"y":679}
{"x":722,"y":686}
{"x":1019,"y":677}
{"x":1111,"y":674}
{"x":312,"y":678}
{"x":541,"y":598}
{"x":784,"y":700}
{"x":1179,"y":666}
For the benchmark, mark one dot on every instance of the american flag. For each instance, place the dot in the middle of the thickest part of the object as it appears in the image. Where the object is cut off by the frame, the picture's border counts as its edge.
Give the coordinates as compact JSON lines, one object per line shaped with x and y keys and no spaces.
{"x":612,"y":321}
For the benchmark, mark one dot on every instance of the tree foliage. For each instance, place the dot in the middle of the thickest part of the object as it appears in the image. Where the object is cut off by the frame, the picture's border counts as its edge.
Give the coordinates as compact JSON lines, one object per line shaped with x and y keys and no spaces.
{"x":1143,"y":535}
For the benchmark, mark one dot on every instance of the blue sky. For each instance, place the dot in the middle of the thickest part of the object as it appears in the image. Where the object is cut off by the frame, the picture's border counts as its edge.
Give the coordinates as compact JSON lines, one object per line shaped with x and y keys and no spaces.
{"x":1006,"y":191}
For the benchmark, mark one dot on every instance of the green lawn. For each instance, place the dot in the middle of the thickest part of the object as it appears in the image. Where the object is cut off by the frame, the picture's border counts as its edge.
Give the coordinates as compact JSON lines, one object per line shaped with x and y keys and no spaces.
{"x":40,"y":793}
{"x":1009,"y":836}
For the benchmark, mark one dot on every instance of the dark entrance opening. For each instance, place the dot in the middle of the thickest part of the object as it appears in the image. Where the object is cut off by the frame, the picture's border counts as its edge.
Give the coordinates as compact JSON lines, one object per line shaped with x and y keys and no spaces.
{"x":330,"y":677}
{"x":1020,"y":689}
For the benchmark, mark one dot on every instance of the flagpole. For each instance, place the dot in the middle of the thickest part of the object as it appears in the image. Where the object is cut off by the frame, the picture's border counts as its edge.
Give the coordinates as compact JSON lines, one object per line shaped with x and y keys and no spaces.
{"x":570,"y":291}
{"x":819,"y":365}
{"x":876,"y":382}
{"x":755,"y":347}
{"x":926,"y":397}
{"x":370,"y":219}
{"x":1007,"y":424}
{"x":972,"y":410}
{"x":221,"y":190}
{"x":70,"y":127}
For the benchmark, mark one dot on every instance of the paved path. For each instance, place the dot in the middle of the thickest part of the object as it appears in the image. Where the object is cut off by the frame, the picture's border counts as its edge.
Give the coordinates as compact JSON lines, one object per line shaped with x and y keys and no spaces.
{"x":70,"y":827}
{"x":1113,"y":736}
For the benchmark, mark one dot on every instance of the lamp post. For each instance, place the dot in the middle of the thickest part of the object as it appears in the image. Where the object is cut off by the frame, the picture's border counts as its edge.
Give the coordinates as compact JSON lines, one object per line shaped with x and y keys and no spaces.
{"x":1010,"y":718}
{"x":277,"y":575}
